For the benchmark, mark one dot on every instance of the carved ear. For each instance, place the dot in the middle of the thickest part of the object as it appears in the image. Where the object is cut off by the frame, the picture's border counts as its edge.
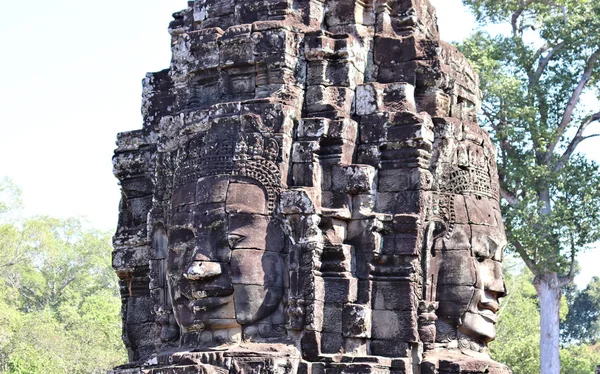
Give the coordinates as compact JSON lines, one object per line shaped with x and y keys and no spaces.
{"x":436,"y":228}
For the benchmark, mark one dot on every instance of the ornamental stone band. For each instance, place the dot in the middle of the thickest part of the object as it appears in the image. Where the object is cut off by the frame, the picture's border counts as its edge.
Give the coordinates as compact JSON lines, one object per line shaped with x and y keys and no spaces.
{"x":310,"y":193}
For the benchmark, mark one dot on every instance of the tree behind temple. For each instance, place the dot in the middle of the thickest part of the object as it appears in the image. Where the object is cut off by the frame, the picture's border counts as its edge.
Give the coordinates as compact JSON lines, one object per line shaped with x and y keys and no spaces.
{"x":533,"y":82}
{"x":519,"y":326}
{"x":583,"y":321}
{"x":59,"y":300}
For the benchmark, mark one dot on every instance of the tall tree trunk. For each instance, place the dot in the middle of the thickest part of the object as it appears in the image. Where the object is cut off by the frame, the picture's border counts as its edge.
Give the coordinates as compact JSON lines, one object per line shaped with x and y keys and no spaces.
{"x":549,"y":292}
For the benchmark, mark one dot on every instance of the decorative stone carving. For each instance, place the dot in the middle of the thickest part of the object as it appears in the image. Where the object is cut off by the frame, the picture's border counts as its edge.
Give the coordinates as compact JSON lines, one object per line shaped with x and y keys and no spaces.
{"x":310,"y":192}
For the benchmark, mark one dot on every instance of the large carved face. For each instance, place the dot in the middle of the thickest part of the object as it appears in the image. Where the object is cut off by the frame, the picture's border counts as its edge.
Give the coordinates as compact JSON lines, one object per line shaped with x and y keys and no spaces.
{"x":470,"y":280}
{"x":224,"y":263}
{"x":470,"y":250}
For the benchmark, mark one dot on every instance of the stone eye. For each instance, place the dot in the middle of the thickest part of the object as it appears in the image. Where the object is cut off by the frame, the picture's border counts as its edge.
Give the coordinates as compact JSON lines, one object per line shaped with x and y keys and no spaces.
{"x":234,"y":239}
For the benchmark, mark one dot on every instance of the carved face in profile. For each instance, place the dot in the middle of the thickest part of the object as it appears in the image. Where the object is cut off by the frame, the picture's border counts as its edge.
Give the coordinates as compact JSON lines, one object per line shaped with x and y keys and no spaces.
{"x":224,"y":264}
{"x":470,"y":281}
{"x":469,"y":252}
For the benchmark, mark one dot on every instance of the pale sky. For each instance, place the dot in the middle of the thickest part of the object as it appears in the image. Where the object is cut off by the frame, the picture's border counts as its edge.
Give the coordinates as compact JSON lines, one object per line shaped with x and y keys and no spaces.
{"x":71,"y":80}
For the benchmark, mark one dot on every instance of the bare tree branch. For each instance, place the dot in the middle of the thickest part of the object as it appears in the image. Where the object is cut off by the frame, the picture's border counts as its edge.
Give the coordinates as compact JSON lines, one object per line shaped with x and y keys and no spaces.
{"x":489,"y":115}
{"x":515,"y":17}
{"x":510,"y":197}
{"x":528,"y":261}
{"x":540,"y":51}
{"x":543,"y":62}
{"x":525,"y":27}
{"x":572,"y":103}
{"x":577,"y":139}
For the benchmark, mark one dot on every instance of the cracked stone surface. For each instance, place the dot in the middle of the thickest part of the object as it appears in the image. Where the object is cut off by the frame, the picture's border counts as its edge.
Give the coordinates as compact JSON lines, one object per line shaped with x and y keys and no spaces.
{"x":310,"y":192}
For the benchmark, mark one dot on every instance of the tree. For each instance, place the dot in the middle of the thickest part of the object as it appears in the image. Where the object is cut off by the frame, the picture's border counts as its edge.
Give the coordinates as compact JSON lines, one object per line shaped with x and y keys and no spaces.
{"x":64,"y":260}
{"x":579,"y":359}
{"x":519,"y":326}
{"x":534,"y":80}
{"x":59,"y":299}
{"x":583,"y":321}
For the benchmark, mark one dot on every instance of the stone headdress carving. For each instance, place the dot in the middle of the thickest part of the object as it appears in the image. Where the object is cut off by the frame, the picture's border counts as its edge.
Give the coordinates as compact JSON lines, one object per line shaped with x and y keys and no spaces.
{"x":471,"y":173}
{"x":250,"y":155}
{"x":362,"y":123}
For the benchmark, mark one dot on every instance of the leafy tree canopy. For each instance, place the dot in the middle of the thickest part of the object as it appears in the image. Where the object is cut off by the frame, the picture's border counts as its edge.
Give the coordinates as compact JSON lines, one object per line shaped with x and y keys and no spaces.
{"x":59,"y":300}
{"x":519,"y":327}
{"x":534,"y":80}
{"x":582,"y":324}
{"x":533,"y":88}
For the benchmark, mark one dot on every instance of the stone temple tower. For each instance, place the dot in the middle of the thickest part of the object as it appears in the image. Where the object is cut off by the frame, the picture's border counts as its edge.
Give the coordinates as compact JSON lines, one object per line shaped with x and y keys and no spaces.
{"x":310,"y":193}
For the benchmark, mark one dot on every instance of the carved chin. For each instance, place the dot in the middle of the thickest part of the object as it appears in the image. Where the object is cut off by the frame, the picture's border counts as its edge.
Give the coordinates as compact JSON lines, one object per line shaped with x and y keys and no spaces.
{"x":480,"y":326}
{"x":253,"y":303}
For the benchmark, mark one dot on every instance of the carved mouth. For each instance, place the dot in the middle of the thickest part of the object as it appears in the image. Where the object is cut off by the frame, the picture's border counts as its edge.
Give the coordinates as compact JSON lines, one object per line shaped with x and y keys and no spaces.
{"x":488,"y":315}
{"x":207,"y":303}
{"x":203,"y":294}
{"x":202,"y":301}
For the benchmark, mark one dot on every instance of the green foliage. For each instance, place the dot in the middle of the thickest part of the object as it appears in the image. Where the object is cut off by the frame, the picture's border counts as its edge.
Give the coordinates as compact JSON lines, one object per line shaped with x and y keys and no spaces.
{"x":583,"y":321}
{"x":534,"y":78}
{"x":533,"y":81}
{"x":517,"y":343}
{"x":519,"y":326}
{"x":579,"y":359}
{"x":59,"y":300}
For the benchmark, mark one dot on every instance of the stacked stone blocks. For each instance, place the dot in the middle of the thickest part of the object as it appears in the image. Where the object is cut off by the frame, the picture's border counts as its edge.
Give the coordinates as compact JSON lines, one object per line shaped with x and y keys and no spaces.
{"x":370,"y":122}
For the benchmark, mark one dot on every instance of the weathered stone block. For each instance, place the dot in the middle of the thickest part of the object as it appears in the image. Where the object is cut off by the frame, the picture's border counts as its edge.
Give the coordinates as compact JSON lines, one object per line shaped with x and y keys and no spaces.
{"x":141,"y":336}
{"x":333,"y":73}
{"x":394,"y":295}
{"x":310,"y":344}
{"x":457,"y":239}
{"x":396,"y":180}
{"x":298,"y":201}
{"x":434,"y":101}
{"x":307,"y":174}
{"x":374,"y":98}
{"x":459,"y":268}
{"x":342,"y":12}
{"x":236,"y":46}
{"x":395,"y":325}
{"x":400,"y":202}
{"x":305,"y":151}
{"x":139,"y":310}
{"x":340,"y":290}
{"x":332,"y":317}
{"x":313,"y":127}
{"x":356,"y":321}
{"x":390,"y":348}
{"x":363,"y":236}
{"x":401,"y":244}
{"x":250,"y":266}
{"x":332,"y":342}
{"x":329,"y":99}
{"x":354,"y":179}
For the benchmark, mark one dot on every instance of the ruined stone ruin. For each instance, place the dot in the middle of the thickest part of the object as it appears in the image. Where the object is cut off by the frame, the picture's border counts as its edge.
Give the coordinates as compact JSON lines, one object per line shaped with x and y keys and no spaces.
{"x":310,"y":193}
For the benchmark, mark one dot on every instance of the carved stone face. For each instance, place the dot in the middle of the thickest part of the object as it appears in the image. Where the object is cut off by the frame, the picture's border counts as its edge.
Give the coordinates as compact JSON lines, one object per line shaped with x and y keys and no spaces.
{"x":224,"y":264}
{"x":470,"y":280}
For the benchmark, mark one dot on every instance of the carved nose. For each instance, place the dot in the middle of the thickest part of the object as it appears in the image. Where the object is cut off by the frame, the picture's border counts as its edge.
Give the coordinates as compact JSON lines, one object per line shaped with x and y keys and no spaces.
{"x":202,"y":269}
{"x":489,"y":300}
